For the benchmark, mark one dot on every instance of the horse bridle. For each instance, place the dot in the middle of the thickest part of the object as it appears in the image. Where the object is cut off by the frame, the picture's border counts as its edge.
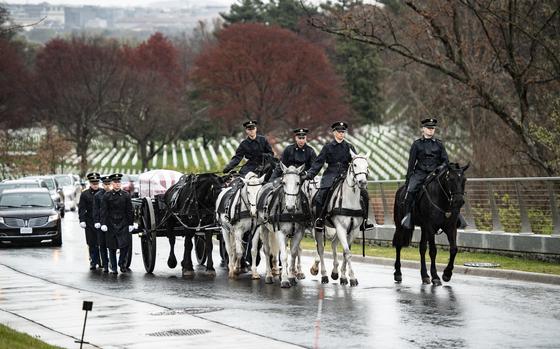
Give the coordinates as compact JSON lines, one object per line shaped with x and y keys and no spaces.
{"x":354,"y":173}
{"x":449,"y":195}
{"x":292,"y":194}
{"x":245,"y":198}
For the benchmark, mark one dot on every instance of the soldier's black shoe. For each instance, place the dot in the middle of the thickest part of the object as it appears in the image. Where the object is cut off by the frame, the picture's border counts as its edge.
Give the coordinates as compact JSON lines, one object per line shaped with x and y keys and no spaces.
{"x":123,"y":269}
{"x":105,"y":270}
{"x":366,"y":225}
{"x":92,"y":267}
{"x":114,"y":271}
{"x":406,"y":222}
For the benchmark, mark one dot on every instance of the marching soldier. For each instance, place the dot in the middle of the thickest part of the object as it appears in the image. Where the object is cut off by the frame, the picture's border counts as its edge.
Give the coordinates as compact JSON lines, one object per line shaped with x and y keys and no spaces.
{"x":337,"y":156}
{"x":255,"y":148}
{"x":426,"y":154}
{"x":117,"y":218}
{"x":101,"y":239}
{"x":85,"y":213}
{"x":297,"y":154}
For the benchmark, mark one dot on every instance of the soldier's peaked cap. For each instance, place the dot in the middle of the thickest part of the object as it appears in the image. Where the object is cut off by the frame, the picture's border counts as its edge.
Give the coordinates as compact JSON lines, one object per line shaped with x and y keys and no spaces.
{"x":301,"y":131}
{"x":116,"y":177}
{"x":339,"y":126}
{"x":250,"y":124}
{"x":105,"y":179}
{"x":93,"y":177}
{"x":430,"y":122}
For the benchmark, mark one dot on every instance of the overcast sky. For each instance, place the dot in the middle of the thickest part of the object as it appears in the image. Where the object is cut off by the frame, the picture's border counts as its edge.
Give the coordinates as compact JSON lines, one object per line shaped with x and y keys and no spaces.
{"x":119,"y":3}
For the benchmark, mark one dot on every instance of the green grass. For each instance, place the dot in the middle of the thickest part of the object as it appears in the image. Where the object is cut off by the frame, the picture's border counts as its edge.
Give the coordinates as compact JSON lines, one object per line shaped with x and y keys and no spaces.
{"x":412,"y":254}
{"x":10,"y":339}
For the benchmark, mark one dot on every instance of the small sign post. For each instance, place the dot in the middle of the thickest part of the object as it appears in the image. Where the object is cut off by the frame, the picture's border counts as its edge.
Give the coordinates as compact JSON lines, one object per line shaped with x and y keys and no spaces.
{"x":87,"y":306}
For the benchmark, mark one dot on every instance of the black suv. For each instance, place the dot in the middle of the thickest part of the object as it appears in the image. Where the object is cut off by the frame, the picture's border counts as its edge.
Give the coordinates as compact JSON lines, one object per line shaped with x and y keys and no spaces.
{"x":29,"y":215}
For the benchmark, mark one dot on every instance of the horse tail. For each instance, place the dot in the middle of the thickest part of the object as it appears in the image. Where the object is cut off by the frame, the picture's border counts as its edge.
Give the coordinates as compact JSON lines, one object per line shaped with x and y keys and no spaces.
{"x":402,"y":236}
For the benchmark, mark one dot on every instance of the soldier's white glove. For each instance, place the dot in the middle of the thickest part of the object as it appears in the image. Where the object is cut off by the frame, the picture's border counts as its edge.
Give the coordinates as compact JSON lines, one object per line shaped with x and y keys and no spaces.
{"x":130,"y":228}
{"x":83,"y":224}
{"x":135,"y":225}
{"x":97,"y":225}
{"x":103,"y":228}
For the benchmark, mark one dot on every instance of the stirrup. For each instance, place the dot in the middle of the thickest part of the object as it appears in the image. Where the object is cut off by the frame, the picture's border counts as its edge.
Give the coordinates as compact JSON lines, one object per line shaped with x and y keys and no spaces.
{"x":319,"y":225}
{"x":366,"y":225}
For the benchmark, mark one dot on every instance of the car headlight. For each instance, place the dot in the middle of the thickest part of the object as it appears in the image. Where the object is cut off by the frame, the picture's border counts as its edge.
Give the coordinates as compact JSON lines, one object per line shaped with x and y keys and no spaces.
{"x":53,"y":218}
{"x":2,"y":220}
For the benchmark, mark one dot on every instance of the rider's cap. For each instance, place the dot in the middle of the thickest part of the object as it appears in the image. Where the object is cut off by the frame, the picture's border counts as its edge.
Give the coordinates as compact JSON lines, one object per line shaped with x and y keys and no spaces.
{"x":115,"y":177}
{"x":301,"y":131}
{"x":339,"y":126}
{"x":93,"y":177}
{"x":430,"y":122}
{"x":250,"y":124}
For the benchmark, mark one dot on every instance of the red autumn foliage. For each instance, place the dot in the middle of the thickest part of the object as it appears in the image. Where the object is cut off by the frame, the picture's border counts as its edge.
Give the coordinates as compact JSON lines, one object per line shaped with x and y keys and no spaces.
{"x":270,"y":75}
{"x":12,"y":78}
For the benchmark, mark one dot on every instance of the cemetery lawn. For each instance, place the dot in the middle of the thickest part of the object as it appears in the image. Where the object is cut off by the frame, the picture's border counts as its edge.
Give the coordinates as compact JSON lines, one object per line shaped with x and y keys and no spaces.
{"x":10,"y":339}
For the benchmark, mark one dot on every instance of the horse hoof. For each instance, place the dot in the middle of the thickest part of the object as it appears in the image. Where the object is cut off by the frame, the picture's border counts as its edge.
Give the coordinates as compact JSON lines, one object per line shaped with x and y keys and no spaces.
{"x":172,"y":263}
{"x":446,"y":277}
{"x":436,"y":282}
{"x":285,"y":284}
{"x":300,"y":276}
{"x":268,"y":280}
{"x":398,"y":277}
{"x":314,"y":271}
{"x":353,"y":282}
{"x":343,"y":281}
{"x":188,"y":274}
{"x":275,"y":272}
{"x":211,"y":273}
{"x":292,"y":281}
{"x":255,"y":276}
{"x":426,"y":281}
{"x":324,"y":279}
{"x":232,"y":276}
{"x":334,"y":276}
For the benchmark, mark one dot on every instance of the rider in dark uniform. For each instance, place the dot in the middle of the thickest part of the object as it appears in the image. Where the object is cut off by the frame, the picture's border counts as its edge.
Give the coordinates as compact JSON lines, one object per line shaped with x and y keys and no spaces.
{"x":255,"y":148}
{"x":337,"y":156}
{"x":85,"y":212}
{"x":117,"y":218}
{"x":296,"y":154}
{"x":426,"y":154}
{"x":101,"y":240}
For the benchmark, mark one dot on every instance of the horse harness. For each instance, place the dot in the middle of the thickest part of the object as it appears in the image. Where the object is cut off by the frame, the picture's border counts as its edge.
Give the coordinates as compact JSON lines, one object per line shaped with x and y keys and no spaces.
{"x":449,"y":196}
{"x":272,"y":198}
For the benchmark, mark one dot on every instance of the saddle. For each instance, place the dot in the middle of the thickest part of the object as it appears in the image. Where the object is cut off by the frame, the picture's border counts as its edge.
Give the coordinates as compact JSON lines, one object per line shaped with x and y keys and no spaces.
{"x":227,"y":201}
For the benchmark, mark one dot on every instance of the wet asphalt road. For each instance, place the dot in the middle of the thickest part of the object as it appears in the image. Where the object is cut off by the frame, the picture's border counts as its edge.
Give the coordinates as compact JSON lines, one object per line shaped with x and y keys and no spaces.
{"x":468,"y":312}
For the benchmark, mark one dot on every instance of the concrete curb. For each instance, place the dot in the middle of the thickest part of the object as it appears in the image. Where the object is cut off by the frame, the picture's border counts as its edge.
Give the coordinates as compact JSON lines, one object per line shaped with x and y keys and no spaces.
{"x":459,"y":269}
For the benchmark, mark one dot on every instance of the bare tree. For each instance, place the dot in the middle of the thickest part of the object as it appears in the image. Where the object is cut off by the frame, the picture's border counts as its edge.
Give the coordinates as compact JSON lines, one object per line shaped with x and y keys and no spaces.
{"x":503,"y":56}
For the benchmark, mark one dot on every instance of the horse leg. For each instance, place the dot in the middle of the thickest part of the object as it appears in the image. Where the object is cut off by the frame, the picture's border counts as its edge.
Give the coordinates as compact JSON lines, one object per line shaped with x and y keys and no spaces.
{"x":321,"y":252}
{"x":397,"y":275}
{"x":299,"y":272}
{"x":267,"y":248}
{"x":448,"y":272}
{"x":254,"y":253}
{"x":239,"y":258}
{"x":188,"y":271}
{"x":210,"y":271}
{"x":347,"y":256}
{"x":433,"y":253}
{"x":422,"y":248}
{"x":334,"y":273}
{"x":172,"y":260}
{"x":316,"y":260}
{"x":294,"y":249}
{"x":230,"y":245}
{"x":281,"y":238}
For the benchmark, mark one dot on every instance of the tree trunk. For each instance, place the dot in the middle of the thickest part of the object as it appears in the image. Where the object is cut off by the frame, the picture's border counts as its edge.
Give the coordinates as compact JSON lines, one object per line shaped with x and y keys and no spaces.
{"x":81,"y":151}
{"x":143,"y":154}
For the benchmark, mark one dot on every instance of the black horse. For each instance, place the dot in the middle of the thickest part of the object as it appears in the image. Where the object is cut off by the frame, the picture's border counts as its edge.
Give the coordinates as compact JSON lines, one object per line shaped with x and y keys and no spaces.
{"x":437,"y":207}
{"x":191,"y":202}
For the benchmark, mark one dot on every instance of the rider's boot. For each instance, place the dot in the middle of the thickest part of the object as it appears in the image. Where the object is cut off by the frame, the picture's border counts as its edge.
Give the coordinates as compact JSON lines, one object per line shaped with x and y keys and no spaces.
{"x":406,"y":222}
{"x":366,"y":223}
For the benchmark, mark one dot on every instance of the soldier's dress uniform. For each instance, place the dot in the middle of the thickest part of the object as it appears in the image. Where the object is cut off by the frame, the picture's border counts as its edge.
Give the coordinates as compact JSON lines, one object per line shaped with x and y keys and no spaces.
{"x":254,"y":150}
{"x":295,"y":155}
{"x":338,"y":158}
{"x":85,"y":213}
{"x":426,"y":154}
{"x":117,"y":217}
{"x":101,"y":239}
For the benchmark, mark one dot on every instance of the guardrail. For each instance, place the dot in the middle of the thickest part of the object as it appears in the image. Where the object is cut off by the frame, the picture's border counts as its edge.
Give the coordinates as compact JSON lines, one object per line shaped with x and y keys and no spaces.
{"x":526,"y":205}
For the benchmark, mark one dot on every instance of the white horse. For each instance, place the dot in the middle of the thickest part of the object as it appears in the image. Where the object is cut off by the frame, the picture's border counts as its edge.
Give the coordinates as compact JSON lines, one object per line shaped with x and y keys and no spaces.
{"x":284,"y":213}
{"x":346,"y":215}
{"x":246,"y":200}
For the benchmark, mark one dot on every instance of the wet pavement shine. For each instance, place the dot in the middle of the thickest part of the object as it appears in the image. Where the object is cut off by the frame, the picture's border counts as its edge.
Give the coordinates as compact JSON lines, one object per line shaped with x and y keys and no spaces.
{"x":42,"y":289}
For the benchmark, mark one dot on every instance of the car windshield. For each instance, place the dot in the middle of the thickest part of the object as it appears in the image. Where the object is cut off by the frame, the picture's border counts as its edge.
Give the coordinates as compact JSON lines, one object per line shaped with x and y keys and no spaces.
{"x":64,"y":180}
{"x":16,"y":200}
{"x":4,"y":186}
{"x":50,"y":183}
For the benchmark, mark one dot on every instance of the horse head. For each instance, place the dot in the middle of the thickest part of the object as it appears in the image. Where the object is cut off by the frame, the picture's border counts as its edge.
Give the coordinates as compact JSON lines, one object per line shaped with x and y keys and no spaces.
{"x":453,"y":182}
{"x":291,"y":184}
{"x":253,"y":184}
{"x":358,"y":170}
